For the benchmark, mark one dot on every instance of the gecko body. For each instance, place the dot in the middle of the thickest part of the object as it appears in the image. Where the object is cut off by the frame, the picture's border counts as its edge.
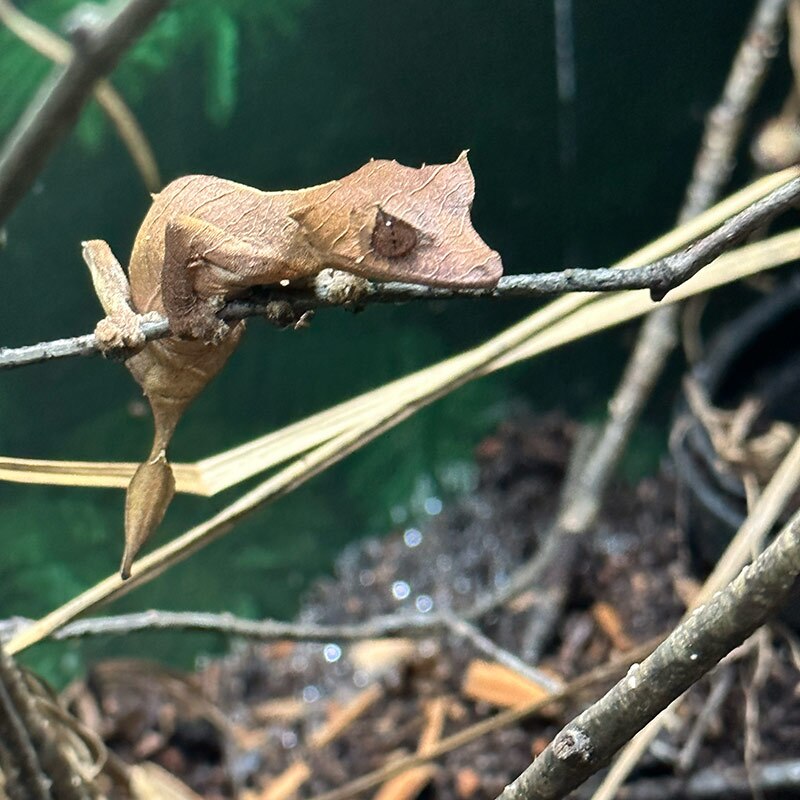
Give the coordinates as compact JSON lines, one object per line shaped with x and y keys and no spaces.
{"x":206,"y":240}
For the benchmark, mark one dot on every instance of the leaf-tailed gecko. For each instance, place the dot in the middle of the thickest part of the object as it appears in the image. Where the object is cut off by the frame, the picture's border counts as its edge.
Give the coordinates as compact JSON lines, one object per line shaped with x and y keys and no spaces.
{"x":206,"y":240}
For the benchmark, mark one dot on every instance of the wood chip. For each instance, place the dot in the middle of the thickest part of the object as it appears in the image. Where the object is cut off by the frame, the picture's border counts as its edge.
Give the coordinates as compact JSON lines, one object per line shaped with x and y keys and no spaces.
{"x":606,"y":616}
{"x":499,"y":685}
{"x":281,"y":709}
{"x":343,"y":717}
{"x":467,"y":783}
{"x":286,"y":784}
{"x":407,"y":785}
{"x":435,"y":713}
{"x":375,"y":656}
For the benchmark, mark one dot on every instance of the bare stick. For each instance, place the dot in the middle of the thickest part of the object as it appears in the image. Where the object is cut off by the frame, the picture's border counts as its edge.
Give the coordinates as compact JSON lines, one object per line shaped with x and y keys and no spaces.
{"x":581,"y":505}
{"x":711,"y":171}
{"x":390,"y":625}
{"x":726,"y":120}
{"x":721,"y":688}
{"x":52,"y":114}
{"x":485,"y":645}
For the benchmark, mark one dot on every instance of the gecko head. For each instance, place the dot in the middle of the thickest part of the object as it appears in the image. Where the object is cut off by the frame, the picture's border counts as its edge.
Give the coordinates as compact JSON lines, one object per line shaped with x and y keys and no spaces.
{"x":394,"y":223}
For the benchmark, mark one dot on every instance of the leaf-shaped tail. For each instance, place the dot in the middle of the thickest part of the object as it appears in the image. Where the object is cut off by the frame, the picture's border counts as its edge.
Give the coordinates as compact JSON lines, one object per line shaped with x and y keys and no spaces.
{"x":149,"y":493}
{"x":172,"y":373}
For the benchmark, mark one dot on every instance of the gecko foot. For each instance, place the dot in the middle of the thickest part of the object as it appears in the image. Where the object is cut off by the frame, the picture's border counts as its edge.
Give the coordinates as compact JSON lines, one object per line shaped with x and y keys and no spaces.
{"x":200,"y":323}
{"x":341,"y":288}
{"x":113,"y":333}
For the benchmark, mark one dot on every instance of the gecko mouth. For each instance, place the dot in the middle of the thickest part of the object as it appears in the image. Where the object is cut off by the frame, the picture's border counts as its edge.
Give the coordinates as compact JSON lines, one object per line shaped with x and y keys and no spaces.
{"x":487,"y":274}
{"x":483,"y":275}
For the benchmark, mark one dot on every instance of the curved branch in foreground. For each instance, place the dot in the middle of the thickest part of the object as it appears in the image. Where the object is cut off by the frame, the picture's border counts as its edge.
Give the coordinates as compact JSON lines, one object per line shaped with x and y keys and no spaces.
{"x":46,"y":43}
{"x":587,"y":743}
{"x":659,"y":277}
{"x":50,"y":117}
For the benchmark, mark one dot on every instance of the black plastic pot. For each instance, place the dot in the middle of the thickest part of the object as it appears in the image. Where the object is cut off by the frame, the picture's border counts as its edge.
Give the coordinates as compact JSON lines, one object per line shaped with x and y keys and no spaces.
{"x":756,"y":355}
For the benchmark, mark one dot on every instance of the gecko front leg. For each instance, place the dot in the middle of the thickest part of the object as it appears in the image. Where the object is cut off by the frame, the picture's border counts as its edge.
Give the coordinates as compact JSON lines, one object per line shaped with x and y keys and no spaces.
{"x":204,"y":266}
{"x":122,"y":326}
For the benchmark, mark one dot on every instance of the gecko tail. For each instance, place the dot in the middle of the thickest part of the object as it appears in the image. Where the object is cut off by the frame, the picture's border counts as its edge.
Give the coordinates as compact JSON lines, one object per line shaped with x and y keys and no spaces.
{"x":149,"y":493}
{"x":171,"y":373}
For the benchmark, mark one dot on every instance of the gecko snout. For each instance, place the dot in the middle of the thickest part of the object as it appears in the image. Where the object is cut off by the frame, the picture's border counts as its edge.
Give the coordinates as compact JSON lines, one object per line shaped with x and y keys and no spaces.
{"x":488,"y":273}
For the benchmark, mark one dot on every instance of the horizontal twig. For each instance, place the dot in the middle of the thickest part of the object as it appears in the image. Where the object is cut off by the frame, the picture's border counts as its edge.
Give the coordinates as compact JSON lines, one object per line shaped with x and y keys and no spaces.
{"x":399,"y":624}
{"x":659,"y":277}
{"x":391,"y":625}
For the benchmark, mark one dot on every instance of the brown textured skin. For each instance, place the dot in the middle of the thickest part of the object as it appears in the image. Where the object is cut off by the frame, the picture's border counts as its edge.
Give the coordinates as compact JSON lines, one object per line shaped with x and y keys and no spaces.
{"x":205,"y":240}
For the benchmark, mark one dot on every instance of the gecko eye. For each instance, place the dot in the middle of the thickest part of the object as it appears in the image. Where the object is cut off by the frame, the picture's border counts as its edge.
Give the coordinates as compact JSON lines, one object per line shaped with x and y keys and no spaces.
{"x":391,"y":237}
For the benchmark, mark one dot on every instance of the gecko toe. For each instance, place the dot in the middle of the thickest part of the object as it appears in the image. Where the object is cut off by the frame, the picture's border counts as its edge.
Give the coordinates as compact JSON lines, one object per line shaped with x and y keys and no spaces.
{"x":112,"y":334}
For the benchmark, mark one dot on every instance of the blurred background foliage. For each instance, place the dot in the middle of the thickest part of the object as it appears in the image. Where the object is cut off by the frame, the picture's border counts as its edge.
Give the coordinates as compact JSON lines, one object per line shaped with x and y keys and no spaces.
{"x":206,"y":26}
{"x":287,"y":93}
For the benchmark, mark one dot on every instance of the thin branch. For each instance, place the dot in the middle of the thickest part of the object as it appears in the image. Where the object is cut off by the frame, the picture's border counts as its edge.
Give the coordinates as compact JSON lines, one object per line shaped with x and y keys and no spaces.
{"x":720,"y":690}
{"x":485,"y":645}
{"x":660,"y":277}
{"x":379,"y":627}
{"x":581,"y":502}
{"x":53,"y":113}
{"x":587,"y":743}
{"x":389,"y":625}
{"x":656,"y":341}
{"x":725,"y":122}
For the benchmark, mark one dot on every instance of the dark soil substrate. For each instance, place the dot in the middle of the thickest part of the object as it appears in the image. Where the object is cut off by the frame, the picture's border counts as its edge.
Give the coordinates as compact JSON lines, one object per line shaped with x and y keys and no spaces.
{"x":242,"y":721}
